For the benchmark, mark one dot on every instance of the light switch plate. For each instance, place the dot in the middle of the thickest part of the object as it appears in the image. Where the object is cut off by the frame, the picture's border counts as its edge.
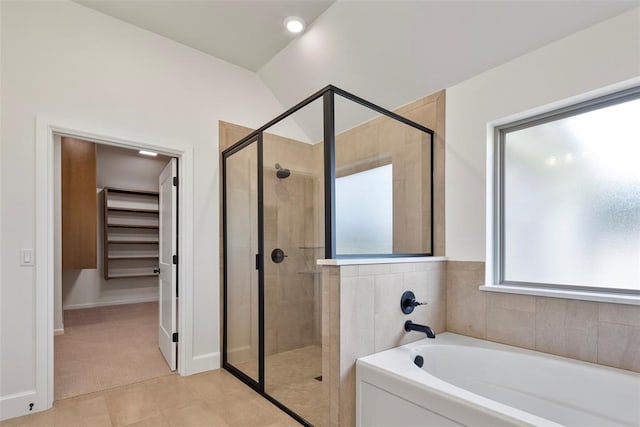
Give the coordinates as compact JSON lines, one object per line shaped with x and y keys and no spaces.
{"x":26,"y":257}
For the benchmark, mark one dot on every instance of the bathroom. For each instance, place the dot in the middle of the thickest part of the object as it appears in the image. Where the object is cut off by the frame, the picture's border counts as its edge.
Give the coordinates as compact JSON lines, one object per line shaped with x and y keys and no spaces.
{"x":389,"y":288}
{"x":126,"y":91}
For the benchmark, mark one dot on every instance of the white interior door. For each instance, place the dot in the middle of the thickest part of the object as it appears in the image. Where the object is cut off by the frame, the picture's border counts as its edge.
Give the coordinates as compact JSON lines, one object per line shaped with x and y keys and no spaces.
{"x":167,"y":331}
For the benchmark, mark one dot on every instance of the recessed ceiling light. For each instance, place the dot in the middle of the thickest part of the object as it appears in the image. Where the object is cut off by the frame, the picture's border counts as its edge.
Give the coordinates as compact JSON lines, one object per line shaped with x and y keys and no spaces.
{"x":294,"y":24}
{"x":148,"y":153}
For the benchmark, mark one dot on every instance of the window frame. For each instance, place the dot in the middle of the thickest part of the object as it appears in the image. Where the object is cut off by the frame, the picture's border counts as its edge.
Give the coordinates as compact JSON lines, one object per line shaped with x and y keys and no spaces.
{"x":496,"y":280}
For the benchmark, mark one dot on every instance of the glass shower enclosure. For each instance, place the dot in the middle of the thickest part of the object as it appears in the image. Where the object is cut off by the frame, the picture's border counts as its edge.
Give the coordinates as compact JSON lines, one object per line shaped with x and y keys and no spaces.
{"x":335,"y":176}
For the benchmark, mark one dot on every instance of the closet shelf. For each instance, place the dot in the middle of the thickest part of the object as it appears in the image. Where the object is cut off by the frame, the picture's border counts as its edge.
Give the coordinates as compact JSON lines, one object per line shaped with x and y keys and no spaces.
{"x":138,"y":242}
{"x":152,"y":227}
{"x":132,"y":257}
{"x":130,"y":218}
{"x":137,"y":210}
{"x":129,"y":276}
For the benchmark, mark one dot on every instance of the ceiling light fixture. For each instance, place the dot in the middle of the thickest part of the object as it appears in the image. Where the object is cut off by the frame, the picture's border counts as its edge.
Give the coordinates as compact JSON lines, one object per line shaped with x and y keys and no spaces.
{"x":148,"y":153}
{"x":294,"y":24}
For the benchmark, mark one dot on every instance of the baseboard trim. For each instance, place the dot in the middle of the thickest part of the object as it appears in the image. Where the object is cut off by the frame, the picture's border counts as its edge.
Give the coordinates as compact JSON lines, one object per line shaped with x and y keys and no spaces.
{"x":204,"y":362}
{"x":58,"y":332}
{"x":108,"y":303}
{"x":17,"y":405}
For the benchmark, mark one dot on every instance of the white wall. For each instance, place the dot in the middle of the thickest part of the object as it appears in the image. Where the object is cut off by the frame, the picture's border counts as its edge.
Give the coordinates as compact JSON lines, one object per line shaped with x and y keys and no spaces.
{"x":63,"y":60}
{"x":603,"y":55}
{"x":118,"y":168}
{"x":400,"y":51}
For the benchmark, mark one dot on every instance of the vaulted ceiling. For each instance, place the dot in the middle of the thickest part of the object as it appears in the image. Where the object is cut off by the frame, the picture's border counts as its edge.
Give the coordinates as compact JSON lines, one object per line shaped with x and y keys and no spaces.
{"x":390,"y":52}
{"x":247,"y":33}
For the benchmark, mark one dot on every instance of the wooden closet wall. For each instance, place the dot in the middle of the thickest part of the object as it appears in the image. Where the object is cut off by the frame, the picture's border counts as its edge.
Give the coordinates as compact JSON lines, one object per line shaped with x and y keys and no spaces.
{"x":79,"y":204}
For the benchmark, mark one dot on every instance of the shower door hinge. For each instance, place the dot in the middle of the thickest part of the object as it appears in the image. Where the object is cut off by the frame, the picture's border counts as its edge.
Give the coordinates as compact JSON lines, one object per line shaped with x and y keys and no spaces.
{"x":175,"y":259}
{"x":175,"y":337}
{"x":175,"y":181}
{"x":257,"y":261}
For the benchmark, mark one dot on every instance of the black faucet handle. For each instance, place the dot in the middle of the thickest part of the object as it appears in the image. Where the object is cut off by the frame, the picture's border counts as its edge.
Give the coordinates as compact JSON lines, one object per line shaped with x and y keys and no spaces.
{"x":408,"y":302}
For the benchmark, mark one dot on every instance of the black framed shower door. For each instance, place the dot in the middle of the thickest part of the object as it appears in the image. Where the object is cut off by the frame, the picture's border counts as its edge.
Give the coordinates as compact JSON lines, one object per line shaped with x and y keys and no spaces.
{"x":244,"y":293}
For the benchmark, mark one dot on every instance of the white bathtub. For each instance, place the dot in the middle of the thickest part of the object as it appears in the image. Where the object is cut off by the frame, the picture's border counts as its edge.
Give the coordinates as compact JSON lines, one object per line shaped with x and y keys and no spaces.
{"x":466,"y":381}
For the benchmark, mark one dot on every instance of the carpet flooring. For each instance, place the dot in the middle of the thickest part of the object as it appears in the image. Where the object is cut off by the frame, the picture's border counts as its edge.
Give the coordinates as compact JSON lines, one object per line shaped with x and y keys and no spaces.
{"x":106,"y":347}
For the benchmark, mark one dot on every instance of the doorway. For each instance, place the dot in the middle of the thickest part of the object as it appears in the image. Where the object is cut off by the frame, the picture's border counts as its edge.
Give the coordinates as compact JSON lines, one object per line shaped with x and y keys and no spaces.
{"x":116,"y":277}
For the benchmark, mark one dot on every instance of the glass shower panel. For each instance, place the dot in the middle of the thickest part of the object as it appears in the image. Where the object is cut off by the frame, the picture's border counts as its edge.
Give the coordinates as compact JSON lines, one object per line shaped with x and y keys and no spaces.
{"x":383,"y":183}
{"x":293,"y":203}
{"x":242,"y":327}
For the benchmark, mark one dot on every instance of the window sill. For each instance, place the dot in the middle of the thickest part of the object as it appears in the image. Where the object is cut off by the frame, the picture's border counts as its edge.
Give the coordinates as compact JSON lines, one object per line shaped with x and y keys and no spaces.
{"x":363,"y":261}
{"x":561,"y":293}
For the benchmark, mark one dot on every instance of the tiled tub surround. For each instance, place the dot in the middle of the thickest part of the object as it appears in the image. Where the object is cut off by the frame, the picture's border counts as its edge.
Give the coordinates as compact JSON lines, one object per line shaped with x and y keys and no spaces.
{"x":604,"y":333}
{"x":361,"y":316}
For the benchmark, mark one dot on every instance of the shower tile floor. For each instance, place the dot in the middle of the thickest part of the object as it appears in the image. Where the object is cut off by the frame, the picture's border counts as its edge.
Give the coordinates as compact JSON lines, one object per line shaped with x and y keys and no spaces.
{"x":290,"y":378}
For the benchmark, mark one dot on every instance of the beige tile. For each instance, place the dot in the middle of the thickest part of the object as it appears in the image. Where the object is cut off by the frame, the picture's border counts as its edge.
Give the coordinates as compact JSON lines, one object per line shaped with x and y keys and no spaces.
{"x":349,"y":271}
{"x":356,"y":319}
{"x":511,"y":327}
{"x":39,"y":419}
{"x":388,"y":289}
{"x":389,"y":319}
{"x":218,"y":399}
{"x":157,"y":421}
{"x":172,"y":391}
{"x":403,"y":267}
{"x":373,"y":269}
{"x":475,"y":266}
{"x":466,"y":304}
{"x":248,"y":411}
{"x":512,"y":302}
{"x":130,"y":404}
{"x":389,"y":331}
{"x":619,"y":346}
{"x":418,"y":282}
{"x":195,"y":415}
{"x":619,"y":313}
{"x":567,"y":328}
{"x":83,"y":412}
{"x":436,"y":310}
{"x":356,"y":337}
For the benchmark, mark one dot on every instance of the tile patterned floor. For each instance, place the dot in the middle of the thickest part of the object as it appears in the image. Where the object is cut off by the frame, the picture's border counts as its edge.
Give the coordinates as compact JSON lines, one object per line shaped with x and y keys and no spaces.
{"x":106,"y":347}
{"x":214,"y":398}
{"x":290,"y":378}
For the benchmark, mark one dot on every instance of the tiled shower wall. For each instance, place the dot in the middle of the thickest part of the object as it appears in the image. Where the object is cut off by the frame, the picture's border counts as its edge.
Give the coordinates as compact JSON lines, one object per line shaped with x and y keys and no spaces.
{"x":361,"y":316}
{"x":604,"y":333}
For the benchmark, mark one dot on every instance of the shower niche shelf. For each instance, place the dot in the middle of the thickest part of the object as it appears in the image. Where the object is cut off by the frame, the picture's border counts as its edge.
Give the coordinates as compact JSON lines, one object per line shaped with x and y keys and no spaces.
{"x":131,"y":233}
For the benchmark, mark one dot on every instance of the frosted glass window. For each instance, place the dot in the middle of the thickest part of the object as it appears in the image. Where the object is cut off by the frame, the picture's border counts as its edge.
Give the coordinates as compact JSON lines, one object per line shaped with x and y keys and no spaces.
{"x":571,"y":199}
{"x":364,"y":212}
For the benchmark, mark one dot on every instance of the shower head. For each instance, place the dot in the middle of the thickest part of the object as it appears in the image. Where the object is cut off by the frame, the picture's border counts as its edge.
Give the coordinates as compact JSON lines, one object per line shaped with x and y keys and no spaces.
{"x":282,"y":172}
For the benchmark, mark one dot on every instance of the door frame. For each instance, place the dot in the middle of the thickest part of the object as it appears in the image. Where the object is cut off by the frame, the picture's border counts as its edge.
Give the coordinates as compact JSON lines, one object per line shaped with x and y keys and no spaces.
{"x":46,"y":128}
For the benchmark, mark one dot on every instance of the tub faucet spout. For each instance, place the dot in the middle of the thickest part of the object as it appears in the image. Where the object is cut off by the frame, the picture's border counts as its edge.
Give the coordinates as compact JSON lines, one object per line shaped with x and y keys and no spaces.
{"x":410,"y":326}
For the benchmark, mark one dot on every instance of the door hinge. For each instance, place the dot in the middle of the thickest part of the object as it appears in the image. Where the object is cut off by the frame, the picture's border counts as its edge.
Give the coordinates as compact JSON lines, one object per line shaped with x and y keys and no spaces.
{"x":175,"y":181}
{"x":175,"y":259}
{"x":175,"y":337}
